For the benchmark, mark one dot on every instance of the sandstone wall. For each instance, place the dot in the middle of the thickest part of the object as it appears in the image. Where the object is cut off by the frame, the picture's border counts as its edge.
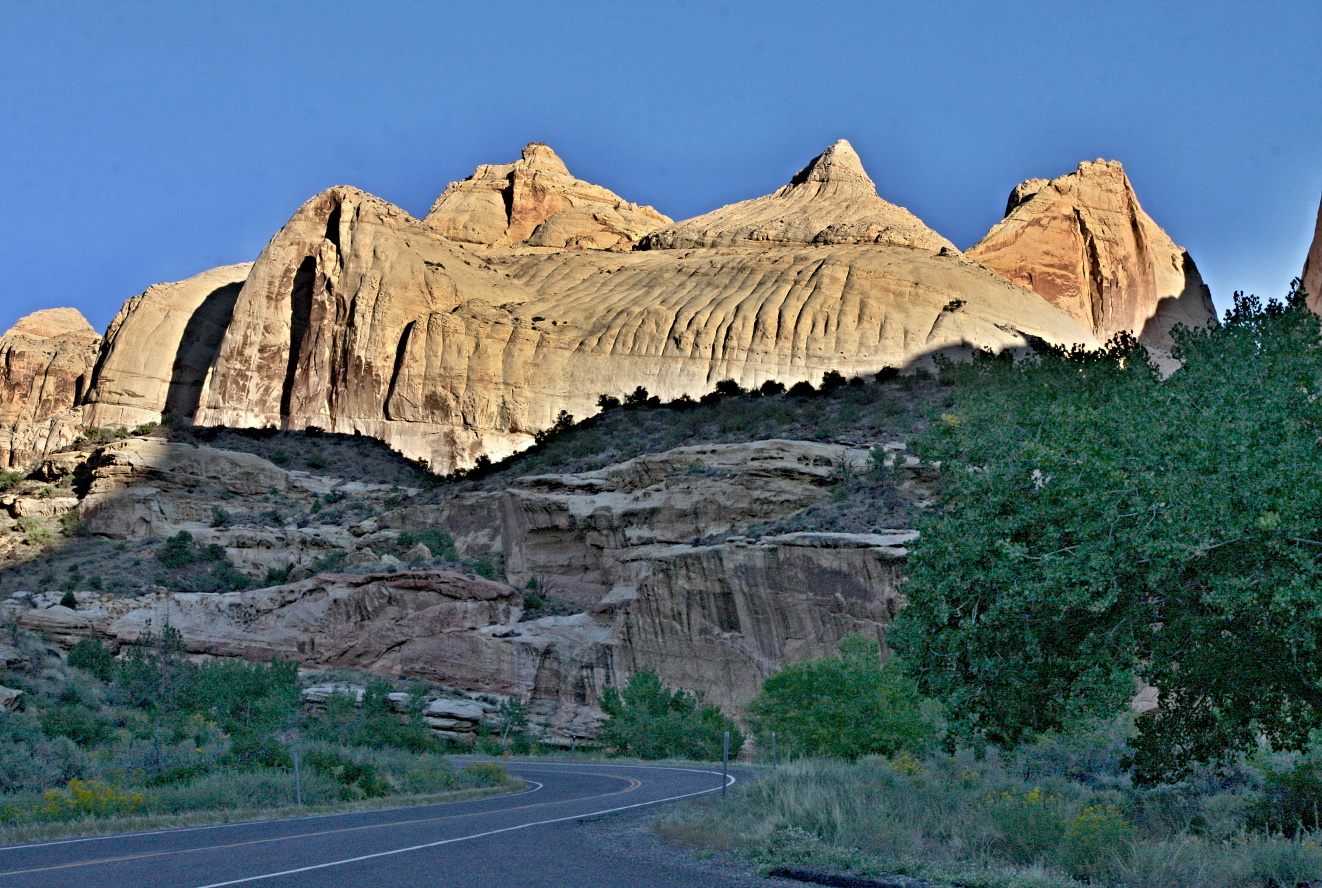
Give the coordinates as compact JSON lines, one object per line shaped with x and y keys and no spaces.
{"x":45,"y":363}
{"x":1085,"y":244}
{"x":1312,"y":275}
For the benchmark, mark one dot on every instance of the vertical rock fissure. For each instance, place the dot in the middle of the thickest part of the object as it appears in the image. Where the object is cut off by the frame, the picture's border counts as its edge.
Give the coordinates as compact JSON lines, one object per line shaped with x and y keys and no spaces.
{"x":400,"y":351}
{"x":300,"y":316}
{"x":333,"y":226}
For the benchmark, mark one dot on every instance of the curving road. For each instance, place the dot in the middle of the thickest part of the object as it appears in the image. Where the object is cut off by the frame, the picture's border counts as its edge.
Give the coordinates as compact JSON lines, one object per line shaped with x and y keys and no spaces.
{"x":527,"y":839}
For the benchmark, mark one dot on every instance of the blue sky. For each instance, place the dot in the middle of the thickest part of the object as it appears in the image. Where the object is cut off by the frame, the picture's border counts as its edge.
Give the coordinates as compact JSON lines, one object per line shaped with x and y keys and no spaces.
{"x":144,"y":142}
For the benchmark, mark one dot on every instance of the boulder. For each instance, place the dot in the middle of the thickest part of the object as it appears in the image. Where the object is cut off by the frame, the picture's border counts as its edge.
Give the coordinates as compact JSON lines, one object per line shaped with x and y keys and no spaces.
{"x":1083,"y":243}
{"x":9,"y":698}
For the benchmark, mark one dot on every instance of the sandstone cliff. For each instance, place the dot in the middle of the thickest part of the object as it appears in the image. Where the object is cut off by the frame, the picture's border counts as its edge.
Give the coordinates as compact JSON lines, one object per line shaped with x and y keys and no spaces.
{"x":359,"y":318}
{"x":830,"y":201}
{"x":158,"y":349}
{"x":1312,"y":275}
{"x":45,"y":361}
{"x":1083,"y":242}
{"x":535,"y":201}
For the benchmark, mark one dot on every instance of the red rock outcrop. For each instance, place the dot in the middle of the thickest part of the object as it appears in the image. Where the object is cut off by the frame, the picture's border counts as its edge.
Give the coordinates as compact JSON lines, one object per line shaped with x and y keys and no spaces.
{"x":1312,"y":276}
{"x":535,"y":201}
{"x":45,"y":361}
{"x":830,"y":201}
{"x":1083,"y":242}
{"x":159,"y":347}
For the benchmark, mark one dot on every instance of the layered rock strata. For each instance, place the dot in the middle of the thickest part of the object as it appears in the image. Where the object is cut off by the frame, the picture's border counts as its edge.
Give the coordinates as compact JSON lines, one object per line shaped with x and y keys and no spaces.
{"x":45,"y":363}
{"x":359,"y":318}
{"x":1084,"y":243}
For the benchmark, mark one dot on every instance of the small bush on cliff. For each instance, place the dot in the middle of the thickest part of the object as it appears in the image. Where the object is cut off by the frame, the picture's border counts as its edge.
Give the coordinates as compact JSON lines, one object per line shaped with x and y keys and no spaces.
{"x":651,"y":721}
{"x":845,"y":707}
{"x":9,"y":480}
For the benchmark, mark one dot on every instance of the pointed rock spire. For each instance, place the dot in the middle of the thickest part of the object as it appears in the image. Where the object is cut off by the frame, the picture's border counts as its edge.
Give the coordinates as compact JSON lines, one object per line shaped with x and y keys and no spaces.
{"x":536,"y":202}
{"x":1312,"y":275}
{"x":830,"y":201}
{"x":1084,"y":244}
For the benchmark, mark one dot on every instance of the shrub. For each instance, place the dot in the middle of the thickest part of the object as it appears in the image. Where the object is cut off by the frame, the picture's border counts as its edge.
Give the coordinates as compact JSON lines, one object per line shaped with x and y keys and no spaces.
{"x":9,"y":480}
{"x":845,"y":706}
{"x":437,"y":540}
{"x":316,"y":461}
{"x":89,"y":655}
{"x":564,"y":421}
{"x":651,"y":721}
{"x":1096,"y":841}
{"x":68,"y":600}
{"x":81,"y":798}
{"x":177,"y":551}
{"x":802,"y":390}
{"x":35,"y":531}
{"x":221,"y":518}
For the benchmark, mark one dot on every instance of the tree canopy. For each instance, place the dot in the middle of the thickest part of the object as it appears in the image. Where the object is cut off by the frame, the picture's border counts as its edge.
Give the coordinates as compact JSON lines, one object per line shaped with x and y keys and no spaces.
{"x":1100,"y":526}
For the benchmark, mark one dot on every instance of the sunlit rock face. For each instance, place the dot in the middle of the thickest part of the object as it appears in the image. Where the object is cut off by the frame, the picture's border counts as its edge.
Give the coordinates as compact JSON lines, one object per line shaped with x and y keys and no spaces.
{"x":1084,"y":243}
{"x":359,"y":318}
{"x":159,"y":348}
{"x":1312,"y":275}
{"x":536,"y":202}
{"x":45,"y":362}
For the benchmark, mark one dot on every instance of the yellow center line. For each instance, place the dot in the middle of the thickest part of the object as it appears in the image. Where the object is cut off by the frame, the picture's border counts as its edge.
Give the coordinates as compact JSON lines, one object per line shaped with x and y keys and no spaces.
{"x":146,"y":855}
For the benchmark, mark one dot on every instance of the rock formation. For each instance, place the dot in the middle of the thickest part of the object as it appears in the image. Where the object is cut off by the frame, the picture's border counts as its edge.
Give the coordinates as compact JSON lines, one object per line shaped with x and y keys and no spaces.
{"x":646,"y":554}
{"x":1312,"y":276}
{"x":159,"y":348}
{"x":1083,"y":242}
{"x":45,"y":361}
{"x":536,"y":202}
{"x":830,"y":201}
{"x":359,"y":318}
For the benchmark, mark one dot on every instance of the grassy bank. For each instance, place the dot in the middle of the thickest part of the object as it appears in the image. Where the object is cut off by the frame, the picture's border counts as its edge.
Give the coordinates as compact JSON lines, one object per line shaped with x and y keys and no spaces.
{"x":1059,"y":814}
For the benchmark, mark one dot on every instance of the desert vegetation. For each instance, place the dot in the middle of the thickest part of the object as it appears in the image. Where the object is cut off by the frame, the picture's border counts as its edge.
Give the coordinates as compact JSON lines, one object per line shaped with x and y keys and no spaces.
{"x":153,"y":735}
{"x":1098,"y":529}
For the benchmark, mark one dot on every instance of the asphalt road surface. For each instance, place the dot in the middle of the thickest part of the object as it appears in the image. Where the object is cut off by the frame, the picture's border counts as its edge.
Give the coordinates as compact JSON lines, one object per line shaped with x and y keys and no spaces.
{"x":528,"y":839}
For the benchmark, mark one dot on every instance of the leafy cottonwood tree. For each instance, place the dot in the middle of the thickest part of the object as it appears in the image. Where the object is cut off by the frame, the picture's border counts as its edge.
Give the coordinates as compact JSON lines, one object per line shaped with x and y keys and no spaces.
{"x":844,"y":706}
{"x":1100,"y":525}
{"x":651,"y":721}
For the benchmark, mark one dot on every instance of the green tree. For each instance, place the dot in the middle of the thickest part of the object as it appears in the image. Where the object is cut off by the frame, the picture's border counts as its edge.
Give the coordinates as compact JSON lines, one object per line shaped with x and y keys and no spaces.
{"x":651,"y":721}
{"x":844,"y":706}
{"x":1099,"y":525}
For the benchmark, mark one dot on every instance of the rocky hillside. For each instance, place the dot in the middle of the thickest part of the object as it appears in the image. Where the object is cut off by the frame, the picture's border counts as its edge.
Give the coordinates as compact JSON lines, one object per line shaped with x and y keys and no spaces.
{"x":603,"y":551}
{"x":526,"y":292}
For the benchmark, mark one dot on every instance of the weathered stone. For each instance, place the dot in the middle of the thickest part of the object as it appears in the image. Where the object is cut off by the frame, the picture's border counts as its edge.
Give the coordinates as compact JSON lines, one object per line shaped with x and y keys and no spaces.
{"x":358,"y":317}
{"x":115,"y":465}
{"x":159,"y":348}
{"x":457,"y":710}
{"x":1083,"y":242}
{"x":536,"y":201}
{"x":45,"y":362}
{"x":9,"y":698}
{"x":830,"y":201}
{"x":37,"y":507}
{"x":1312,"y":274}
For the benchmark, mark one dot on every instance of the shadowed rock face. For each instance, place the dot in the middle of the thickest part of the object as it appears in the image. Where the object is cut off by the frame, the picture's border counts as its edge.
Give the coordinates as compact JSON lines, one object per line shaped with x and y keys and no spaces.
{"x":358,"y":317}
{"x":159,"y":348}
{"x":1312,"y":275}
{"x":830,"y":201}
{"x":45,"y":361}
{"x":1083,"y":242}
{"x":535,"y":201}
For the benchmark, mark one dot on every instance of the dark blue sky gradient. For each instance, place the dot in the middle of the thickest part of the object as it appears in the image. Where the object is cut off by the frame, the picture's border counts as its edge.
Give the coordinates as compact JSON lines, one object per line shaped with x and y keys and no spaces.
{"x":144,"y":142}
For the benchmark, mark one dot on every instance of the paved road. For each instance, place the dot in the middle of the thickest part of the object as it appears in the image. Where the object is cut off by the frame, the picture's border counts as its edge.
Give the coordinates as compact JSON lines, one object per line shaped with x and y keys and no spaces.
{"x":529,"y":839}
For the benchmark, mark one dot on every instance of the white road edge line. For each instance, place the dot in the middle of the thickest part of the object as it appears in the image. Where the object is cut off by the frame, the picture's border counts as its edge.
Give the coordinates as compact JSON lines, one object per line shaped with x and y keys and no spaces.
{"x":233,"y":824}
{"x":729,"y":781}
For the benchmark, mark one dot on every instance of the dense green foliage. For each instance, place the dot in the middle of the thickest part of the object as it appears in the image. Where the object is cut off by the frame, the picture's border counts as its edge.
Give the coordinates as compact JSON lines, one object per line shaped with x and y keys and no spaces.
{"x":650,"y":721}
{"x":1099,"y":525}
{"x":845,"y":706}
